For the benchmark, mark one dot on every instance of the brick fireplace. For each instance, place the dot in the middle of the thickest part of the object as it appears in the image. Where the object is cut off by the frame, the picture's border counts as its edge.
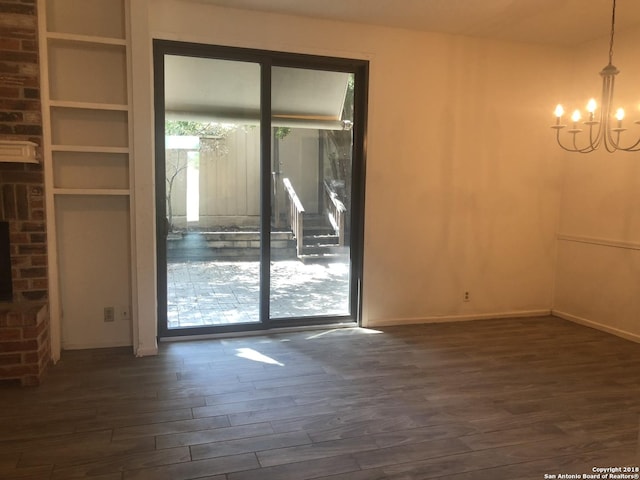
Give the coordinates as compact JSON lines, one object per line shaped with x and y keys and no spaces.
{"x":24,"y":321}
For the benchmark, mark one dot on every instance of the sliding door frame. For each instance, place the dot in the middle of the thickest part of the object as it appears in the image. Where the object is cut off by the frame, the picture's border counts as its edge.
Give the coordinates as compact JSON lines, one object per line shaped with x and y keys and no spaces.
{"x":267,"y":60}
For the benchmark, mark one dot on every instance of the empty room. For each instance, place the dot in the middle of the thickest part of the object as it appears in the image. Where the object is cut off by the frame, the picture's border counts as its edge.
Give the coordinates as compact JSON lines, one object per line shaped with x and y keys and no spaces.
{"x":319,"y":240}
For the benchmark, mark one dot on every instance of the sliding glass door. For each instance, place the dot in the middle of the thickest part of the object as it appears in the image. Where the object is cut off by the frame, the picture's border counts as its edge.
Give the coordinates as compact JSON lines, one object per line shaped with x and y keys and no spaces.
{"x":259,"y":185}
{"x":312,"y":120}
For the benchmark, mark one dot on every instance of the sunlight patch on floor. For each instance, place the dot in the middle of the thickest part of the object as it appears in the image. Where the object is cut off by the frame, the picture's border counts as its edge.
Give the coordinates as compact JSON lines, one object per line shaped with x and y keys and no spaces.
{"x":254,"y":355}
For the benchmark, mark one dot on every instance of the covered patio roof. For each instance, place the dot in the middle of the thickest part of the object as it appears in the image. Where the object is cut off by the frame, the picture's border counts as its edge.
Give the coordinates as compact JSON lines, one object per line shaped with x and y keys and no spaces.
{"x":227,"y":91}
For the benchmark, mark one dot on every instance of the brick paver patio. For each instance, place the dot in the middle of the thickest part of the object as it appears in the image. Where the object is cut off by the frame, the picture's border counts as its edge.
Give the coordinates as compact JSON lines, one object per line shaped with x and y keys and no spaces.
{"x":206,"y":292}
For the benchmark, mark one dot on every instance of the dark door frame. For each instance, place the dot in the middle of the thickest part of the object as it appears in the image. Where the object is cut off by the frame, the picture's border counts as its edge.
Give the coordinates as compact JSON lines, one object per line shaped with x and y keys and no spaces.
{"x":266,"y":60}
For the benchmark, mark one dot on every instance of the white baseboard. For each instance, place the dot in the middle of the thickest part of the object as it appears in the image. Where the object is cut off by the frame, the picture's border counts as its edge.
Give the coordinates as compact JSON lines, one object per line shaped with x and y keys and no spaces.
{"x":457,"y":318}
{"x":146,"y":351}
{"x":598,"y":326}
{"x":140,"y":352}
{"x":91,"y":346}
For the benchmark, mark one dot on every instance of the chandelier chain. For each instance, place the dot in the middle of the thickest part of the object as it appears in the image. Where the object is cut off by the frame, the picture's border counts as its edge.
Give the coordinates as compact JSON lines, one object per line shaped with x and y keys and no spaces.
{"x":613,"y":23}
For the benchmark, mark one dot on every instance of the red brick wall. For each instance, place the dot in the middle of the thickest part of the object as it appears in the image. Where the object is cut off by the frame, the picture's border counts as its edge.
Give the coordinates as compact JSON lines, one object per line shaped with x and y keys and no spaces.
{"x":25,"y":349}
{"x":24,"y":323}
{"x":22,"y":185}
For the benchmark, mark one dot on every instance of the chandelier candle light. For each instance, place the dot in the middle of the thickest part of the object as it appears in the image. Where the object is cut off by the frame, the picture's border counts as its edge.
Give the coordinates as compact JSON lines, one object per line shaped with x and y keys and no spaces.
{"x":602,"y":128}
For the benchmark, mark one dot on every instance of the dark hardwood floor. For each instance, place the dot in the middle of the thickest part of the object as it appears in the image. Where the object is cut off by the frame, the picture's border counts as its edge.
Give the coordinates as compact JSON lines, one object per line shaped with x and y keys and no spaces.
{"x":499,"y":399}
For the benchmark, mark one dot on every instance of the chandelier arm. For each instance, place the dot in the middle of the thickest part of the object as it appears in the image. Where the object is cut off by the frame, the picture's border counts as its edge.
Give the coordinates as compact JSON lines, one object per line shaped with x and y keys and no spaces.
{"x":634,"y":148}
{"x":614,"y":137}
{"x":585,"y":150}
{"x":610,"y":147}
{"x":595,"y":140}
{"x":575,"y":144}
{"x":610,"y":143}
{"x":575,"y":148}
{"x":631,"y":148}
{"x":599,"y":139}
{"x":560,"y":143}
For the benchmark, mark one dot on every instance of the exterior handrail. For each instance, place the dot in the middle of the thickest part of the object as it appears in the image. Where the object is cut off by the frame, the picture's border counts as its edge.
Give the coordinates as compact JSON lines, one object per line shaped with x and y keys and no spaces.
{"x":295,"y":212}
{"x":336,"y":212}
{"x":333,"y":196}
{"x":292,"y":194}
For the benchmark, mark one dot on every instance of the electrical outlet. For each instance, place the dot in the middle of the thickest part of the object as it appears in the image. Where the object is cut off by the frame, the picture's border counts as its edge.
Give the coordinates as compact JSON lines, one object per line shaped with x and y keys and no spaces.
{"x":109,"y":314}
{"x":466,"y":297}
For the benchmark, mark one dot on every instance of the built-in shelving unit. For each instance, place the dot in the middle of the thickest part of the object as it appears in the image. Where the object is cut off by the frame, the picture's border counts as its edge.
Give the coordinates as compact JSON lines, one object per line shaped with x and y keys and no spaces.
{"x":88,"y":106}
{"x":86,"y":100}
{"x":90,"y":191}
{"x":88,"y":149}
{"x":70,"y":37}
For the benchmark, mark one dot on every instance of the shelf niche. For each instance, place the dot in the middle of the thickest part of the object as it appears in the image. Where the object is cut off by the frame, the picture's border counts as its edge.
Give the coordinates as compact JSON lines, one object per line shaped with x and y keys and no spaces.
{"x":83,"y":127}
{"x":103,"y":18}
{"x":73,"y":170}
{"x":85,"y":72}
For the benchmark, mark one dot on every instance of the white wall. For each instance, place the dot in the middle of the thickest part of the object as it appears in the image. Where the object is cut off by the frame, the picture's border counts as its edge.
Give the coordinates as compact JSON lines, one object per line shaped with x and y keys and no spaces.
{"x":463,"y":179}
{"x":598,"y":266}
{"x":94,"y":262}
{"x":464,"y":176}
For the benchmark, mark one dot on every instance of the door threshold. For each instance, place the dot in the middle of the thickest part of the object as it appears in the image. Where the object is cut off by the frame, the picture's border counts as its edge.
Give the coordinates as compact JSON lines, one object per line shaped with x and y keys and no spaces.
{"x":259,"y":333}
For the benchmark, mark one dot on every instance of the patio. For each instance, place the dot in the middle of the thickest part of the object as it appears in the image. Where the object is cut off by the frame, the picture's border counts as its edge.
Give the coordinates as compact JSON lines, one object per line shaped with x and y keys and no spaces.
{"x":207,"y":292}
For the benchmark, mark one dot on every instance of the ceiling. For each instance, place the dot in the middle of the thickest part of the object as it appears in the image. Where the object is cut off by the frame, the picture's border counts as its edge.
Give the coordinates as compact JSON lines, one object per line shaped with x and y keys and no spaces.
{"x":209,"y":90}
{"x":553,"y":22}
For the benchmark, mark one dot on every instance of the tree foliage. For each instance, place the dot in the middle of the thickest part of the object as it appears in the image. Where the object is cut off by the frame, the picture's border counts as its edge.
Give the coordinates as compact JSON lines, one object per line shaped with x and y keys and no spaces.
{"x":198,"y":129}
{"x":281,"y":132}
{"x":210,"y":129}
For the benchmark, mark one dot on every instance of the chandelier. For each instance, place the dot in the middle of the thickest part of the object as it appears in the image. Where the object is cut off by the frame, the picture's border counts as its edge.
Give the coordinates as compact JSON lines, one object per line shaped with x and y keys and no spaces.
{"x":603,"y":126}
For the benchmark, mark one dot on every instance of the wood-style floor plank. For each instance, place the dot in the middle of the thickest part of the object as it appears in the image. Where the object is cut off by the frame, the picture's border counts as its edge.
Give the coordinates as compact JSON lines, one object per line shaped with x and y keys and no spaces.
{"x":494,"y":399}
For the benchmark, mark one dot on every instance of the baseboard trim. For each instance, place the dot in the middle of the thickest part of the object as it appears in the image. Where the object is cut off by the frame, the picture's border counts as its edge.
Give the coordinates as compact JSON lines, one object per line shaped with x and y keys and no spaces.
{"x":147,"y":352}
{"x":457,"y":318}
{"x":598,"y":326}
{"x":92,"y":346}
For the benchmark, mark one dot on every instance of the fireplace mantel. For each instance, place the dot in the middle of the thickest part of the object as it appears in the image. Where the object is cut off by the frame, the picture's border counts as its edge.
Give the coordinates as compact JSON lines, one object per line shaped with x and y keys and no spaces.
{"x":18,"y":151}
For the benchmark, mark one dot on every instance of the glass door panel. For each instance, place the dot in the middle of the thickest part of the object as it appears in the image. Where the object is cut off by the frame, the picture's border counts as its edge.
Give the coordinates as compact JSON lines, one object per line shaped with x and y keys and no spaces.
{"x":312,"y":120}
{"x":212,"y":191}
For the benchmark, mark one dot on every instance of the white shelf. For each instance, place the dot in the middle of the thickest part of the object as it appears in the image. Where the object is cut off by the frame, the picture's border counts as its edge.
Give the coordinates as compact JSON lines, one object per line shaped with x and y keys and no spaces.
{"x":72,"y":37}
{"x":88,"y":149}
{"x":88,"y":105}
{"x":114,"y":192}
